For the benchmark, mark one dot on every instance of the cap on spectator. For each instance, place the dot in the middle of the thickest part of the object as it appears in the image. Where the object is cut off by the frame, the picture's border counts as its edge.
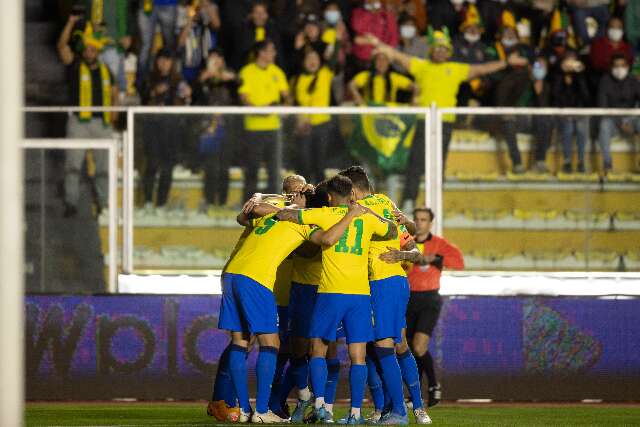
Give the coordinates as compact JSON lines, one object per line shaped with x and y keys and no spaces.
{"x":507,"y":20}
{"x":164,"y":53}
{"x":471,"y":18}
{"x":439,"y":38}
{"x":90,"y":38}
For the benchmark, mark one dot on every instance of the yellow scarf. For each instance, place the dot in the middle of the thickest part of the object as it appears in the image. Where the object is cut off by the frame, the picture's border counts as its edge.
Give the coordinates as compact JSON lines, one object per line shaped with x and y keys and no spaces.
{"x":86,"y":91}
{"x":97,"y":12}
{"x":500,"y":50}
{"x":147,"y":6}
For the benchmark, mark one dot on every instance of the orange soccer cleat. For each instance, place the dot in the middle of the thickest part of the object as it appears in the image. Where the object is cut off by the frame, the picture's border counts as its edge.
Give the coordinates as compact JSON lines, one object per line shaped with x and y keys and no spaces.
{"x":223,"y":412}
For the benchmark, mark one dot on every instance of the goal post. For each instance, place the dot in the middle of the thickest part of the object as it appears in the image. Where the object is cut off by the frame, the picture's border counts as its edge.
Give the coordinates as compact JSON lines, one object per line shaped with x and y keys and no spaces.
{"x":11,"y":216}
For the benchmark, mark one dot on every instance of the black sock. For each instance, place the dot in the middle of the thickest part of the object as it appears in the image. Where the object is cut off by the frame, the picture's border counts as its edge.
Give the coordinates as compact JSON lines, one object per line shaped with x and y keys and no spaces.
{"x":429,"y":369}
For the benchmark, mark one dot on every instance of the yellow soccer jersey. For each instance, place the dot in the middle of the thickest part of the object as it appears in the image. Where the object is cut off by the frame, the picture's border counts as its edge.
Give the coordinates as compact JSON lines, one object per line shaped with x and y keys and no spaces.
{"x":345,"y":264}
{"x":307,"y":271}
{"x":378,"y":269}
{"x":264,"y":249}
{"x":263,"y":87}
{"x":236,"y":248}
{"x":282,"y":286}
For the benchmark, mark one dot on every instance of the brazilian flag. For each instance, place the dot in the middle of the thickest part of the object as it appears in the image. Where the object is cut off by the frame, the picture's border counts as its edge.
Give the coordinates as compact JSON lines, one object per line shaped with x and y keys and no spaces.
{"x":383,"y":140}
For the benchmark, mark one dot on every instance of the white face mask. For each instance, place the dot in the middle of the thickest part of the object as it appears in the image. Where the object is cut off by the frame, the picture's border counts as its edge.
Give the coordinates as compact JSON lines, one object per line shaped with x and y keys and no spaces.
{"x":407,"y":31}
{"x":509,"y":42}
{"x":332,"y":16}
{"x":471,"y":37}
{"x":620,"y":73}
{"x":457,"y":2}
{"x":615,"y":34}
{"x":373,"y":6}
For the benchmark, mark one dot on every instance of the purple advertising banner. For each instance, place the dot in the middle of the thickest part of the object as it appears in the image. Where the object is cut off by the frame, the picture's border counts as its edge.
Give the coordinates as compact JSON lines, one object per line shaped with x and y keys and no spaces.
{"x":99,"y":347}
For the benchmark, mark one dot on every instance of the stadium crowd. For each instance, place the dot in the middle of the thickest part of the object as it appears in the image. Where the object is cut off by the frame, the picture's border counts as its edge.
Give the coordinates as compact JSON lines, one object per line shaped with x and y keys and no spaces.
{"x":537,"y":53}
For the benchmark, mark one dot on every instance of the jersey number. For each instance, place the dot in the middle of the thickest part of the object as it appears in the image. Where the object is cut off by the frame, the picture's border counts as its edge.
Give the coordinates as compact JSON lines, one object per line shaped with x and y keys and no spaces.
{"x":356,"y":249}
{"x":270,"y":222}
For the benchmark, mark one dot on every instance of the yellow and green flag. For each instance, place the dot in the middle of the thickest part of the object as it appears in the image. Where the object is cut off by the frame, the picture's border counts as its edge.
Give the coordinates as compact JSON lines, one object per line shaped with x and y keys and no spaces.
{"x":383,"y":140}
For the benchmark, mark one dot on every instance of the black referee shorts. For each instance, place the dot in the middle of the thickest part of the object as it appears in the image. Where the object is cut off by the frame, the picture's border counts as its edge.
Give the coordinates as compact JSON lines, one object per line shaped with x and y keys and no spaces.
{"x":423,"y":312}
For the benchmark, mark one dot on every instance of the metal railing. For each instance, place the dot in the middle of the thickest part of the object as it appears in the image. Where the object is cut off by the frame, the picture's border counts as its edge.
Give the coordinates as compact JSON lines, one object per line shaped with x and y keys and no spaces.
{"x":112,"y":148}
{"x":433,"y":177}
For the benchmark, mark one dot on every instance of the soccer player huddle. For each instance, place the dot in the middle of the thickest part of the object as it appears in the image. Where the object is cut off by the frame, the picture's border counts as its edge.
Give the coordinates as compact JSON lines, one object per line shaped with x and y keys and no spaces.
{"x":312,"y":266}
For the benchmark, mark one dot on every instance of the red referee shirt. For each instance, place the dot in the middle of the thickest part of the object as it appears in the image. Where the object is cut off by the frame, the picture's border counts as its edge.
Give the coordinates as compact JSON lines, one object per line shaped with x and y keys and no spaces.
{"x":427,"y":277}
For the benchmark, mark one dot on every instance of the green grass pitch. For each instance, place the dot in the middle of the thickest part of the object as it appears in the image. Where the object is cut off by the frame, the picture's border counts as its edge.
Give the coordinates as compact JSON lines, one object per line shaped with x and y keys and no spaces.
{"x":194,"y":414}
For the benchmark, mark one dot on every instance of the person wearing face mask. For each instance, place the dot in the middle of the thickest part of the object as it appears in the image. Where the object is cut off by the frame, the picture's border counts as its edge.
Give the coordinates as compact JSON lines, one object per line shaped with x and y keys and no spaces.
{"x":618,"y":89}
{"x":410,"y":42}
{"x":510,"y":86}
{"x":468,"y":48}
{"x":570,"y":90}
{"x":338,"y":45}
{"x":541,"y":126}
{"x":604,"y":48}
{"x":376,"y":20}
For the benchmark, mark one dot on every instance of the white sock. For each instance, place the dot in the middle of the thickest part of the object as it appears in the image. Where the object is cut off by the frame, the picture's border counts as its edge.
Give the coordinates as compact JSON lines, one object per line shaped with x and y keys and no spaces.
{"x":329,"y":407}
{"x":319,"y":402}
{"x":355,"y":412}
{"x":304,"y":394}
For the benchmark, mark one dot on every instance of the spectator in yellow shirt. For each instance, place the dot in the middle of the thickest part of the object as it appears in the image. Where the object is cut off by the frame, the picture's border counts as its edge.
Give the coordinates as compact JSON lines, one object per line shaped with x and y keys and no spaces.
{"x":262,"y":84}
{"x":312,"y":88}
{"x":438,"y":80}
{"x":379,"y":85}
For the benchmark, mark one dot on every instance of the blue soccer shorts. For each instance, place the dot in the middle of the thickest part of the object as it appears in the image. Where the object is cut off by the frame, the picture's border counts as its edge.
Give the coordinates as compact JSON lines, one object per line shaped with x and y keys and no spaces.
{"x":247,"y":306}
{"x":353,"y":311}
{"x":302,"y":299}
{"x":389,"y":299}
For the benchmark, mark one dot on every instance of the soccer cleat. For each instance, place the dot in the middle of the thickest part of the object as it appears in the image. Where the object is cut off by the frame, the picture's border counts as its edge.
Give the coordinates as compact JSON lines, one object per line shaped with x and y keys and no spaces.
{"x":298,"y":415}
{"x":342,"y":420}
{"x":223,"y":412}
{"x":317,"y":416}
{"x":328,"y":418}
{"x":267,"y":418}
{"x":374,"y":417}
{"x":352,"y":420}
{"x":435,"y":394}
{"x":421,"y":416}
{"x":244,"y":417}
{"x":393,"y":419}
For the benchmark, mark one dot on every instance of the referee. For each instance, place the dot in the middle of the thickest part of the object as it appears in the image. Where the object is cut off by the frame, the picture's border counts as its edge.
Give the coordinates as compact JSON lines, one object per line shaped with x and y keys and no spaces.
{"x":425,"y":301}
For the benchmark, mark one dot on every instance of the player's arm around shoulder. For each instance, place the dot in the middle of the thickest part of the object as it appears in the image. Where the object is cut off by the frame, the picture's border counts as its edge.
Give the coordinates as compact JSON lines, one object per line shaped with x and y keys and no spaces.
{"x":331,"y":236}
{"x":409,"y":252}
{"x":291,"y":215}
{"x":255,"y":208}
{"x":384,"y":229}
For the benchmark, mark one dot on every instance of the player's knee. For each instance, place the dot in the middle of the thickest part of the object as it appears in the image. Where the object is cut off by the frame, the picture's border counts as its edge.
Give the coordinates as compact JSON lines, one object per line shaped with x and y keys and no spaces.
{"x":269,"y":340}
{"x":385,"y":343}
{"x":357,"y":353}
{"x":318,"y":348}
{"x":402,"y":347}
{"x":420,"y":345}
